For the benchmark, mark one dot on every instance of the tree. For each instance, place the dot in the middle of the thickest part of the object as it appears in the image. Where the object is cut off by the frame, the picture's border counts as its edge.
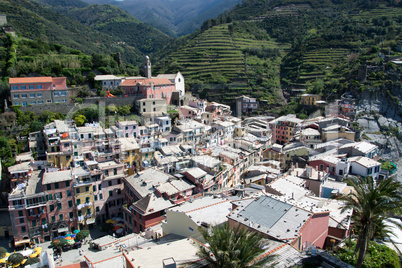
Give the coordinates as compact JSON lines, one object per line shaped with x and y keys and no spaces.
{"x":233,"y":247}
{"x":82,"y":235}
{"x":371,"y":201}
{"x":80,"y":120}
{"x":83,"y":92}
{"x":3,"y":252}
{"x":16,"y":258}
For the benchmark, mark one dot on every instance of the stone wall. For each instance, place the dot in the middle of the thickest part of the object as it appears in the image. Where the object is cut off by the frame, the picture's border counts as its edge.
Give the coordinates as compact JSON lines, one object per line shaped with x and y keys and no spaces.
{"x":63,"y":108}
{"x":118,"y":101}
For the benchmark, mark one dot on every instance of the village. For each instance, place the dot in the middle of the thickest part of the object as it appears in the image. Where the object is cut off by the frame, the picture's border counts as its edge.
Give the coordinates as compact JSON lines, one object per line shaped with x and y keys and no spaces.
{"x":154,"y":184}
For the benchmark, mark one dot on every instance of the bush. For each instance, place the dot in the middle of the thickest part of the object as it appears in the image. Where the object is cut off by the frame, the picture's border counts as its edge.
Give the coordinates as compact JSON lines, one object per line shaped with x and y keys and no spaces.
{"x":16,"y":258}
{"x":377,"y":256}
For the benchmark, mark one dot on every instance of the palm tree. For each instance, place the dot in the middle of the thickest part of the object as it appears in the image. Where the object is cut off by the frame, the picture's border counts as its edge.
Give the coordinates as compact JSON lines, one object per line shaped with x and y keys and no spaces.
{"x":372,"y":203}
{"x":233,"y":247}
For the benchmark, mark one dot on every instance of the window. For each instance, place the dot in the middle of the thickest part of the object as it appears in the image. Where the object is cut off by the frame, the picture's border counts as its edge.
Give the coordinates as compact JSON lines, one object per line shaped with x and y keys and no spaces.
{"x":87,"y":200}
{"x":21,"y":220}
{"x":51,"y":207}
{"x":40,"y":102}
{"x":16,"y":96}
{"x":377,"y":169}
{"x":63,"y":100}
{"x":97,"y":209}
{"x":94,"y":188}
{"x":31,"y":87}
{"x":71,"y":215}
{"x":369,"y":171}
{"x":59,"y":206}
{"x":77,"y":190}
{"x":61,"y":217}
{"x":110,"y":183}
{"x":16,"y":103}
{"x":53,"y":219}
{"x":115,"y":171}
{"x":95,"y":197}
{"x":38,"y":86}
{"x":43,"y":221}
{"x":56,"y":94}
{"x":100,"y":187}
{"x":118,"y":191}
{"x":49,"y":101}
{"x":63,"y":93}
{"x":20,"y":213}
{"x":32,"y":102}
{"x":24,"y":96}
{"x":23,"y":229}
{"x":110,"y":193}
{"x":39,"y":95}
{"x":118,"y":181}
{"x":16,"y":87}
{"x":86,"y":188}
{"x":70,"y":203}
{"x":68,"y":193}
{"x":78,"y":201}
{"x":23,"y":87}
{"x":67,"y":184}
{"x":143,"y":110}
{"x":100,"y":196}
{"x":56,"y":185}
{"x":32,"y":95}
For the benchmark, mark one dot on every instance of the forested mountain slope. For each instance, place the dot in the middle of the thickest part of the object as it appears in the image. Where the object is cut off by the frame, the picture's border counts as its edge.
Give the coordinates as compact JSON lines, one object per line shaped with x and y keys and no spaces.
{"x":174,"y":17}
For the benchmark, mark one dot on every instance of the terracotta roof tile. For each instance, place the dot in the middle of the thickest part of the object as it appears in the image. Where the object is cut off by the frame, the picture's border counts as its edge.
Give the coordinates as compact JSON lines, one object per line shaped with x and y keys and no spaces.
{"x":146,"y":81}
{"x":25,"y":80}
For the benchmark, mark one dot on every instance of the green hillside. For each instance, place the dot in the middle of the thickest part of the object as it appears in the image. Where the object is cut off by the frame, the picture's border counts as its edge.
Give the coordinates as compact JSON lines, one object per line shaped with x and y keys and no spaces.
{"x":115,"y":22}
{"x":32,"y":20}
{"x":266,"y":48}
{"x":214,"y":63}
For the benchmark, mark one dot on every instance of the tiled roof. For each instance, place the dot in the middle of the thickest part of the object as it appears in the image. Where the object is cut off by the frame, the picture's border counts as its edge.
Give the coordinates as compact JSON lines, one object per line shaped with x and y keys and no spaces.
{"x":146,"y":81}
{"x":25,"y":80}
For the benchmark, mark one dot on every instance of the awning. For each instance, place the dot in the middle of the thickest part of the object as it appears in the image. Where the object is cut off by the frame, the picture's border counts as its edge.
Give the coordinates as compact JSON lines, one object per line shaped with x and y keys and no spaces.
{"x":22,"y":242}
{"x":90,"y":221}
{"x":64,"y":229}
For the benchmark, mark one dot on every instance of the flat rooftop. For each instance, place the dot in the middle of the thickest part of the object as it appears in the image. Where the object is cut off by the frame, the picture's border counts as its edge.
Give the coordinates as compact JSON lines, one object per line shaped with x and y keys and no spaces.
{"x":181,"y":251}
{"x":57,"y":176}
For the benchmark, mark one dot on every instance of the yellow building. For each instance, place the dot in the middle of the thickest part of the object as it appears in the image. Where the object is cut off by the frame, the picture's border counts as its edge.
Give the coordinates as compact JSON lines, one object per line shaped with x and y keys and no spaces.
{"x":337,"y":131}
{"x":147,"y":155}
{"x":84,"y":201}
{"x":239,"y":131}
{"x":130,"y":154}
{"x":59,"y":159}
{"x":309,"y":99}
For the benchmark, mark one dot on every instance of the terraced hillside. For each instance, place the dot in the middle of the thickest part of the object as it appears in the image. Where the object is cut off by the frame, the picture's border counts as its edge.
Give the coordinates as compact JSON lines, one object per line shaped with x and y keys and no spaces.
{"x":319,"y":62}
{"x":229,"y":61}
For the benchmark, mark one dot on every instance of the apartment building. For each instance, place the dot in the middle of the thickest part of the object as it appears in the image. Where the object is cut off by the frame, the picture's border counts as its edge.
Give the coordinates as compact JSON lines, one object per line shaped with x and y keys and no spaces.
{"x":38,"y":90}
{"x":284,"y":128}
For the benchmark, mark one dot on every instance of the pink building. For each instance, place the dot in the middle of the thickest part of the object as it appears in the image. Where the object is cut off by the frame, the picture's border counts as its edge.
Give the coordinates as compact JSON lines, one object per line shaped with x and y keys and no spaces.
{"x":129,"y":128}
{"x":281,"y":221}
{"x":188,"y":112}
{"x":199,"y":104}
{"x":57,"y":187}
{"x":149,"y":88}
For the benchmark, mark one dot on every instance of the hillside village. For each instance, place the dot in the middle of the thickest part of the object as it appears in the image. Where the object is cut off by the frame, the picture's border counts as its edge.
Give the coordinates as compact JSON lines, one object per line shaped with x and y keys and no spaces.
{"x":155,"y":183}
